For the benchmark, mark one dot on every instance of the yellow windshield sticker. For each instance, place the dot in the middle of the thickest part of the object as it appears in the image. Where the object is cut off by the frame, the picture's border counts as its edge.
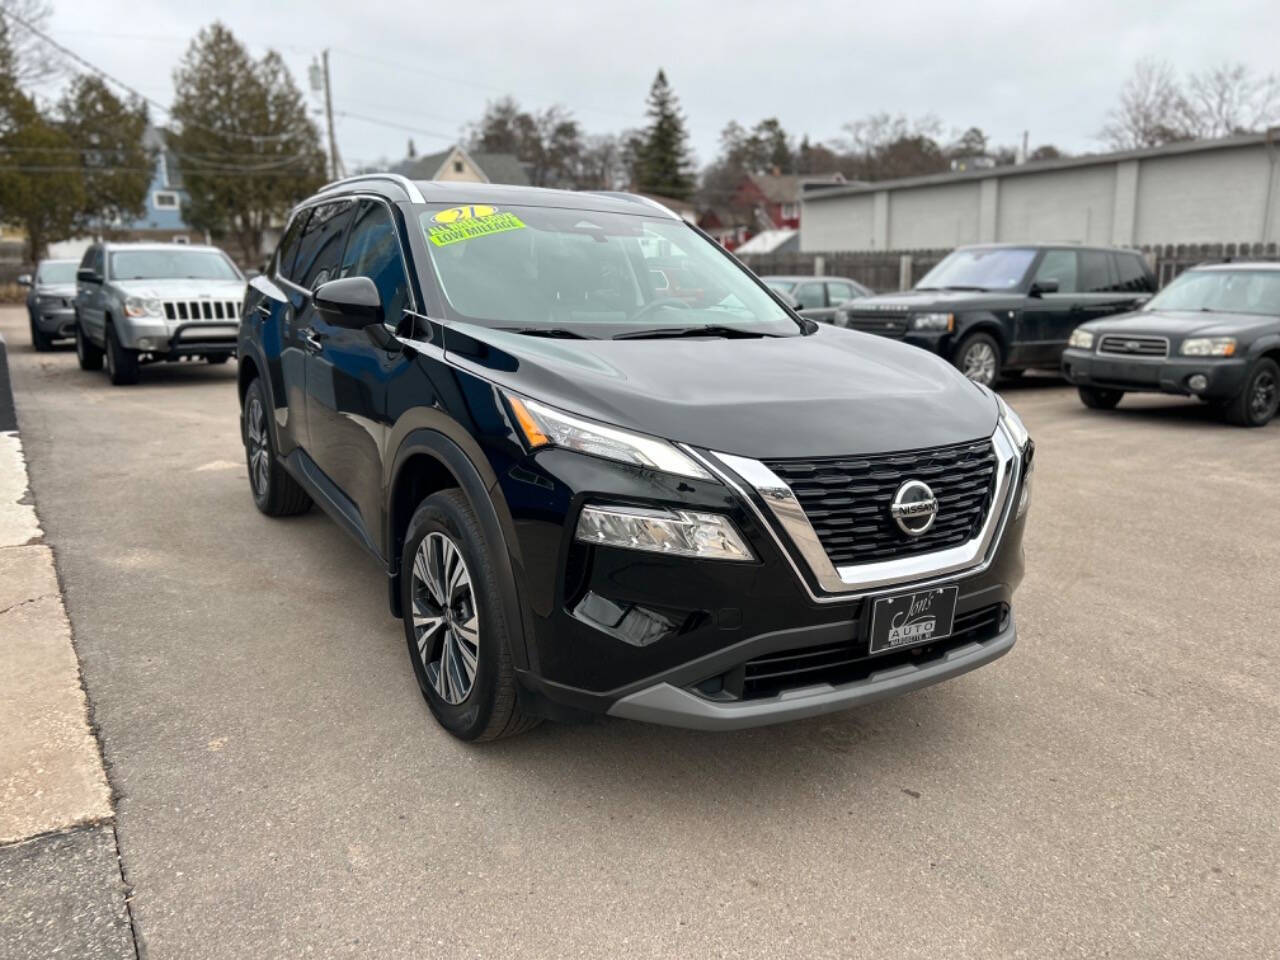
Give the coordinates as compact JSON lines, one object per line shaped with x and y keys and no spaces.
{"x":466,"y":223}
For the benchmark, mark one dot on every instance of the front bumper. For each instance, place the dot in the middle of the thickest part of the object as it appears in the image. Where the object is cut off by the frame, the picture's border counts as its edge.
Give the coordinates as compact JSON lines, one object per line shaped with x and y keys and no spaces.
{"x":56,"y":321}
{"x":668,"y":704}
{"x":1225,"y":375}
{"x":167,"y":341}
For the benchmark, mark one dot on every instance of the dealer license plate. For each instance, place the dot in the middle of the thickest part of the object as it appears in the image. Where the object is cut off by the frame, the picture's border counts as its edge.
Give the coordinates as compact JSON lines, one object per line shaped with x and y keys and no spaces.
{"x":912,"y":618}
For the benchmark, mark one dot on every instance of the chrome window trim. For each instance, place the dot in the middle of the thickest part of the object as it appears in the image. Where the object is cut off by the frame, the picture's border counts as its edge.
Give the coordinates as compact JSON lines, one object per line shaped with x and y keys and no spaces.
{"x":404,"y":183}
{"x":858,"y":580}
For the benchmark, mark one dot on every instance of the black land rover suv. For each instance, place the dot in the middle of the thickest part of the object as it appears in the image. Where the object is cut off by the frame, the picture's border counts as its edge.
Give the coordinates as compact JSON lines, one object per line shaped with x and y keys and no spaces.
{"x":593,"y":495}
{"x":1000,"y":309}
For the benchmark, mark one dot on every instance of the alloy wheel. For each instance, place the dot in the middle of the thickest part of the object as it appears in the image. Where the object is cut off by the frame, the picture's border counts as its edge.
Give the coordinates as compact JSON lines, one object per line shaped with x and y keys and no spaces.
{"x":1264,"y":396}
{"x":980,"y":363}
{"x":446,"y":623}
{"x":259,"y":452}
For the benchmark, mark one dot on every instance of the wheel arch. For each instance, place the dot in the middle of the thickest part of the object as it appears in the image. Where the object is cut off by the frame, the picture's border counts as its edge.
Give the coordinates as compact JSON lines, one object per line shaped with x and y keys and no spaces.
{"x":981,"y":323}
{"x":427,"y":462}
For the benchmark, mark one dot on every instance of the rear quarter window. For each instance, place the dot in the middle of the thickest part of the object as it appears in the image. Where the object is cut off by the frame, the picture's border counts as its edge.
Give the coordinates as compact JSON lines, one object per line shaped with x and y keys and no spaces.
{"x":1132,"y":275}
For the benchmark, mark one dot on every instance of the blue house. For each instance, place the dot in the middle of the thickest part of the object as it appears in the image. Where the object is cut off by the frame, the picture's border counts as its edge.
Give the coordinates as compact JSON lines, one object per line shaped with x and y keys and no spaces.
{"x":162,"y":220}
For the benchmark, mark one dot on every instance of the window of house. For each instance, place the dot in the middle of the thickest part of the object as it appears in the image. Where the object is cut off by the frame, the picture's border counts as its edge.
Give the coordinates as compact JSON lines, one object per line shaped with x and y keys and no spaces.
{"x":164,"y":200}
{"x":789,"y":211}
{"x":457,"y":166}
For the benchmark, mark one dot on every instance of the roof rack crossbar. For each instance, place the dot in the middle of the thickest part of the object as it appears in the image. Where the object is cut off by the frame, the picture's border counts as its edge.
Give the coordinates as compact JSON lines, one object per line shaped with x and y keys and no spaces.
{"x":403,"y":182}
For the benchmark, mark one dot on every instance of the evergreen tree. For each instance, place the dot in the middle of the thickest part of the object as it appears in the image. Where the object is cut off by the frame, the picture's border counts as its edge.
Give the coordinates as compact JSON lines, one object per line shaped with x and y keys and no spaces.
{"x":247,"y":148}
{"x":109,"y":136}
{"x":663,"y":164}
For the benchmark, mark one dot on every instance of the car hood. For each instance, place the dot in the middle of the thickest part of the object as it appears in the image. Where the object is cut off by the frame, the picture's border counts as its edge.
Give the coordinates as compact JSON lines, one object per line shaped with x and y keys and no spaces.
{"x":949,"y":300}
{"x":180,"y":287}
{"x":831,"y":393}
{"x":1183,"y":323}
{"x":55,"y":289}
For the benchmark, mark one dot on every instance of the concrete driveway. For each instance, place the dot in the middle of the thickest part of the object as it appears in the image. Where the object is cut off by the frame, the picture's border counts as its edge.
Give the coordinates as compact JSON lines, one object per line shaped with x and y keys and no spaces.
{"x":1110,"y":788}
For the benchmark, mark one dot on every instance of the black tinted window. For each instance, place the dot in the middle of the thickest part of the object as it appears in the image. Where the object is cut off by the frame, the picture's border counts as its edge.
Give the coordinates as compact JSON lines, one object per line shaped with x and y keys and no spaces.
{"x":320,"y":248}
{"x":287,"y":252}
{"x":1095,"y":272}
{"x":373,"y":251}
{"x":1132,"y":276}
{"x":1059,"y":265}
{"x":809,"y":296}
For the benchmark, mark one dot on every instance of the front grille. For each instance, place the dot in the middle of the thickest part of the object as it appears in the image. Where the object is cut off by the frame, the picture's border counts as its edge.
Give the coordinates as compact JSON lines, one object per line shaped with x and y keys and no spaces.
{"x":1140,"y":346}
{"x":202,"y":309}
{"x":884,"y":324}
{"x":847,"y":499}
{"x":845,"y":662}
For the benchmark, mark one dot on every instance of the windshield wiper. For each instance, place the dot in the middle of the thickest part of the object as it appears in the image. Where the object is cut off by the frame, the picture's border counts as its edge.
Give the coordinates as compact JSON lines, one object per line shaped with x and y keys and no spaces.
{"x":711,"y":330}
{"x":558,"y":333}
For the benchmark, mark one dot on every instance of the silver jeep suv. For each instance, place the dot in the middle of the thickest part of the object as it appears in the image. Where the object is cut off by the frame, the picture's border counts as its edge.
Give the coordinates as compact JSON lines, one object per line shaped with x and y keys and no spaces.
{"x":141,"y":303}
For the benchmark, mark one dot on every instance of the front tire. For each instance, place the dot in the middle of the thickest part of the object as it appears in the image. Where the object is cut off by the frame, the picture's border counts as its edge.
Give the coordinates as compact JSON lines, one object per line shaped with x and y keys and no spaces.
{"x":89,"y":356}
{"x":454,"y":625}
{"x":1099,"y":398}
{"x":275,"y":492}
{"x":978,"y":358}
{"x":39,"y":339}
{"x":1258,"y":402}
{"x":122,"y":363}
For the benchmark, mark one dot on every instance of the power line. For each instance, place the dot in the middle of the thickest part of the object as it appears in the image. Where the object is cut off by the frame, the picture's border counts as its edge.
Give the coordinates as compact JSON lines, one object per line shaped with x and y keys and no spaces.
{"x":93,"y":68}
{"x":393,"y":125}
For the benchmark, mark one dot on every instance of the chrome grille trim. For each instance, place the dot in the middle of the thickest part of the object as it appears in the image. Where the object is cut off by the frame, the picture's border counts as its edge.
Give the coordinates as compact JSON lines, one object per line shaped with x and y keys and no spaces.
{"x":180,"y":310}
{"x":1137,"y":345}
{"x":856,"y":580}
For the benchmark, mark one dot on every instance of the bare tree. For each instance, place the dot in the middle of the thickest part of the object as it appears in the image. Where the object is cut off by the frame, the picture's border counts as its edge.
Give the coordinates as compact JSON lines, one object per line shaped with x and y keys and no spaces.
{"x":1231,"y":98}
{"x":35,"y":62}
{"x":1152,"y":111}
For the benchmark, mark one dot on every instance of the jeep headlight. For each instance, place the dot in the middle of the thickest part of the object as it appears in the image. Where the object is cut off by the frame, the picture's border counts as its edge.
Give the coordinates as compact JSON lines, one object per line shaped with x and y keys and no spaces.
{"x":544,"y":426}
{"x":1208,"y":347}
{"x":938,"y":322}
{"x":1081,"y":339}
{"x":143,"y":307}
{"x":680,"y":533}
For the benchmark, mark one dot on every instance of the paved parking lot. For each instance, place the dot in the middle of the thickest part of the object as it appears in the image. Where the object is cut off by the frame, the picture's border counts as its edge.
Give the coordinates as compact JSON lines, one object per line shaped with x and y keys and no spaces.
{"x":1109,"y":788}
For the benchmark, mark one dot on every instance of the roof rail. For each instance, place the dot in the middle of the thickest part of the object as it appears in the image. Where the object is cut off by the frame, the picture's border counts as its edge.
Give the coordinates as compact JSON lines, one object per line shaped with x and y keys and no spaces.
{"x":403,"y":182}
{"x":624,"y":195}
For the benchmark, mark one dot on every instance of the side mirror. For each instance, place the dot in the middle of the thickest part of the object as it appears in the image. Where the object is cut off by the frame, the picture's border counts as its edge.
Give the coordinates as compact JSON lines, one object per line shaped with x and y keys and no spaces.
{"x":1044,"y":286}
{"x":24,"y":279}
{"x":352,"y":303}
{"x":85,"y":275}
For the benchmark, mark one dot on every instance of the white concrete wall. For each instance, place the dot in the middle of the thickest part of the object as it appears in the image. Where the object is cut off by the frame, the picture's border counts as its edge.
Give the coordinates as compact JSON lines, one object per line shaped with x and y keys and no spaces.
{"x":1216,"y":195}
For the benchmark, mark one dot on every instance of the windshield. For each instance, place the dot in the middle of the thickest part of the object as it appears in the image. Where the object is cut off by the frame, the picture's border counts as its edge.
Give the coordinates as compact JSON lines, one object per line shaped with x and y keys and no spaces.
{"x":57,"y":271}
{"x":998,"y":268}
{"x":1227,"y":291}
{"x":171,"y":264}
{"x":565,"y":272}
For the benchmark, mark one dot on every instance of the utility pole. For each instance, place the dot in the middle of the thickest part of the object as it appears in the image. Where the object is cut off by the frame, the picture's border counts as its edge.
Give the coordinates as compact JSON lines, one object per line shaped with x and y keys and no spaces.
{"x":335,"y":162}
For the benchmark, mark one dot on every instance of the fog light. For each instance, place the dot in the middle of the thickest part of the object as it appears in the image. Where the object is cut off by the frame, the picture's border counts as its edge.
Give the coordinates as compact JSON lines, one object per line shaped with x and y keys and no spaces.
{"x":1198,"y":382}
{"x":146,"y":343}
{"x":681,"y":533}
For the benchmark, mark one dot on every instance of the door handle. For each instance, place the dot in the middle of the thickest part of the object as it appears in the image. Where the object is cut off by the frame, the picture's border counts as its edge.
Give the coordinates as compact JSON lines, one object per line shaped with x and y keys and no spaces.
{"x":263,"y":308}
{"x":314,"y":340}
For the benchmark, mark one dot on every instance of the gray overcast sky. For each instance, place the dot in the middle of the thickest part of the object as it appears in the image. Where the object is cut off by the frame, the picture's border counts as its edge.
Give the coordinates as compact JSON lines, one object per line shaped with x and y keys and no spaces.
{"x":1052,"y":68}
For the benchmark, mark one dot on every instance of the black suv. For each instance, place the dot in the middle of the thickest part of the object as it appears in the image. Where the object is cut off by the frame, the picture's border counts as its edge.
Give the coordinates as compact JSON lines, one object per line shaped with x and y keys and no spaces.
{"x":591,"y":494}
{"x":1000,"y":309}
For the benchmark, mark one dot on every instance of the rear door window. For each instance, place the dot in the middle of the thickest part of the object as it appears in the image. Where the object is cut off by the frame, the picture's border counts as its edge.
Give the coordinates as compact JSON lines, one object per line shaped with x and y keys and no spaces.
{"x":1095,"y":272}
{"x":1059,"y":265}
{"x":373,"y":251}
{"x":839,"y":292}
{"x":287,"y":252}
{"x":320,"y":247}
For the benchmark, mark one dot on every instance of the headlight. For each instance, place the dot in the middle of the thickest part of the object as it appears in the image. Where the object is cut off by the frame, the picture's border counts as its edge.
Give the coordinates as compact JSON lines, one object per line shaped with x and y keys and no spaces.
{"x":138,"y":307}
{"x":933,"y":321}
{"x":1082,"y":339}
{"x":1013,"y":424}
{"x":543,"y":426}
{"x":1024,"y":498}
{"x":681,"y":533}
{"x":1208,"y":347}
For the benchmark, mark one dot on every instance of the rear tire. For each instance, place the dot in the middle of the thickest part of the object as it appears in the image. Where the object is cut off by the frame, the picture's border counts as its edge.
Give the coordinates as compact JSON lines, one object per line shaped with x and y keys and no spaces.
{"x":1098,"y":398}
{"x":1258,"y":402}
{"x":978,"y":358}
{"x":122,"y":363}
{"x":275,"y":492}
{"x":89,"y":356}
{"x":454,"y":625}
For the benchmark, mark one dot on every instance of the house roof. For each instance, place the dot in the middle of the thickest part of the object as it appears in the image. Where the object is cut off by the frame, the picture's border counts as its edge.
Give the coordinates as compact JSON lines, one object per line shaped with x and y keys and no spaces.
{"x":770,"y":241}
{"x":1039,"y":166}
{"x":786,"y":187}
{"x":497,"y":167}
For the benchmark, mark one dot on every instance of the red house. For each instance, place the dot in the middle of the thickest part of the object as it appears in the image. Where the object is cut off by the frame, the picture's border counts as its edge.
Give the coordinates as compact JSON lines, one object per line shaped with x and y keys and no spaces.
{"x":762,"y":201}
